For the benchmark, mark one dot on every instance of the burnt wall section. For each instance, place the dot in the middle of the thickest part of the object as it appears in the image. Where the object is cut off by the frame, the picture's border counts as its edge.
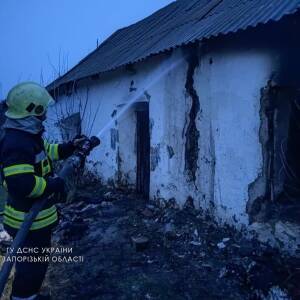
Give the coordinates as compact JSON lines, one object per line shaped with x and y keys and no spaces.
{"x":192,"y":134}
{"x":269,"y":187}
{"x":212,"y":163}
{"x":118,"y":174}
{"x":114,"y":138}
{"x":283,"y":98}
{"x":257,"y":189}
{"x":291,"y":185}
{"x":154,"y":157}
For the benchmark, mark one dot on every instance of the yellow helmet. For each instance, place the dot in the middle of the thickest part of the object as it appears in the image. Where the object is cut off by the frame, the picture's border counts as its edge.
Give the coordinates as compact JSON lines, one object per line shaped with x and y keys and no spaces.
{"x":27,"y":99}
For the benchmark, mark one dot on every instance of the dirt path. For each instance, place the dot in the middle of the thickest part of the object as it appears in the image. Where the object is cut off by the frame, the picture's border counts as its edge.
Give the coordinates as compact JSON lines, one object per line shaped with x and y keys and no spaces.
{"x":178,"y":254}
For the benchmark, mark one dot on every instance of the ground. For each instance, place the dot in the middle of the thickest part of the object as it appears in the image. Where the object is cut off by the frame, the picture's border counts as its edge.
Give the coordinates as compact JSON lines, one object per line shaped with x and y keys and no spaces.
{"x":135,"y":249}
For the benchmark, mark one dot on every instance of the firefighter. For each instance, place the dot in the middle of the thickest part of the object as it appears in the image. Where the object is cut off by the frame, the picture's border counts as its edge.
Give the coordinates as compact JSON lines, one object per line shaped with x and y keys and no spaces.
{"x":28,"y":176}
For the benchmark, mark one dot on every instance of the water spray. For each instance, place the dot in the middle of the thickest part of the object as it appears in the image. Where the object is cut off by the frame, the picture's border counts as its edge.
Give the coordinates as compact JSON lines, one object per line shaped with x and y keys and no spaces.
{"x":138,"y":95}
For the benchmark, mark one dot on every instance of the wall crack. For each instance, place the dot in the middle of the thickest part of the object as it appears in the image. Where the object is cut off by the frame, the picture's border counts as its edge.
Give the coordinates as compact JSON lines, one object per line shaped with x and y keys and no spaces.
{"x":192,"y":134}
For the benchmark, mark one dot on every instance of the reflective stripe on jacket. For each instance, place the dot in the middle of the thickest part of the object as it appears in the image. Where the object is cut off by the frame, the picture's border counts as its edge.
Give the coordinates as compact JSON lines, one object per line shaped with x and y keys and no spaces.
{"x":26,"y":168}
{"x":14,"y":218}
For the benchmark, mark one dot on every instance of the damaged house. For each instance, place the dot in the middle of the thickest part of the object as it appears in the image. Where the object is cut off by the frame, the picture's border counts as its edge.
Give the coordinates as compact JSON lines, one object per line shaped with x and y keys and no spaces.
{"x":195,"y":103}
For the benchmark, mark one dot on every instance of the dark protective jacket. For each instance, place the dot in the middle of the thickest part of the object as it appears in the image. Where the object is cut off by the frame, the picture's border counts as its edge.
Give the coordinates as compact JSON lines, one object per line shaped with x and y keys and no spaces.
{"x":26,"y":164}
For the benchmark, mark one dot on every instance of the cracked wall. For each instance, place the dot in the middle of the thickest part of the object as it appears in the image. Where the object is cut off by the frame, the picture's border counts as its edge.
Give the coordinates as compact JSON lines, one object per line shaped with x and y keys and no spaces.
{"x":192,"y":133}
{"x":230,"y":154}
{"x":170,"y":108}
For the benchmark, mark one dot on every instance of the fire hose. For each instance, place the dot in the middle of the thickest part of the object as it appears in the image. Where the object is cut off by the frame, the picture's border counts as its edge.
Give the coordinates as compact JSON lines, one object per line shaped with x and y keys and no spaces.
{"x":76,"y":161}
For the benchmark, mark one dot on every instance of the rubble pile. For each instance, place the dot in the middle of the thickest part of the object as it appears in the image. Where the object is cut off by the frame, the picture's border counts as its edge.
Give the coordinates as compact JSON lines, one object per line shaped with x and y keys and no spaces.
{"x":134,"y":249}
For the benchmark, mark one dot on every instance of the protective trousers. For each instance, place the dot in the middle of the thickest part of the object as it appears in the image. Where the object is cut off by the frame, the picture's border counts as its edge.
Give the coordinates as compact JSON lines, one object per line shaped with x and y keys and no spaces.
{"x":31,"y":270}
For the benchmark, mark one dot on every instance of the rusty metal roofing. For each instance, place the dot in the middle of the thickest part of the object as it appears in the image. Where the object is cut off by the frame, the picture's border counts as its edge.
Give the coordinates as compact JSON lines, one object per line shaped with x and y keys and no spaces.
{"x":179,"y":23}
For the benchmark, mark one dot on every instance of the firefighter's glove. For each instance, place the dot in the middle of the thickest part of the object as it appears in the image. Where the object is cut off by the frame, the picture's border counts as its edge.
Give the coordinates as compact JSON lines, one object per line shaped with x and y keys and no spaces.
{"x":78,"y":141}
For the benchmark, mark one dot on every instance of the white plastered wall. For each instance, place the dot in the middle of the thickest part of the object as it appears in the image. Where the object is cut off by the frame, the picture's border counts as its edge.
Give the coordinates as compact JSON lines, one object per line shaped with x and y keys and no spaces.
{"x":228,"y":83}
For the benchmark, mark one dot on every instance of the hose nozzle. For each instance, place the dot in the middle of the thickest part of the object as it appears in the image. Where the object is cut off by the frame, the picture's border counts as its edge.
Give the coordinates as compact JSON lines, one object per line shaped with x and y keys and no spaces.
{"x":95,"y":141}
{"x":88,"y":145}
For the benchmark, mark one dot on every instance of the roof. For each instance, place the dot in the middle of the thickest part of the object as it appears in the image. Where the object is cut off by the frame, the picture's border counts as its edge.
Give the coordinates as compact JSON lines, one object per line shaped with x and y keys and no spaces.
{"x":177,"y":24}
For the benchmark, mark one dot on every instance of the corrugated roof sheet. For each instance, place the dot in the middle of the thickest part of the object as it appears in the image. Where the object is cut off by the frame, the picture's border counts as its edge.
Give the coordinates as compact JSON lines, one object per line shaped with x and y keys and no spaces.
{"x":179,"y":23}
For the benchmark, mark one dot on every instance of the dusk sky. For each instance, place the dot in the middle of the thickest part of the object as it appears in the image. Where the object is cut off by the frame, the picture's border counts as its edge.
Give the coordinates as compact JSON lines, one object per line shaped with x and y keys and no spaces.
{"x":37,"y":38}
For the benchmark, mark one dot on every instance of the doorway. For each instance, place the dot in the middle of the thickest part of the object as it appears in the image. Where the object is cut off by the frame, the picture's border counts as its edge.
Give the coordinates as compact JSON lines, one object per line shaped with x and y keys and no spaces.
{"x":142,"y":149}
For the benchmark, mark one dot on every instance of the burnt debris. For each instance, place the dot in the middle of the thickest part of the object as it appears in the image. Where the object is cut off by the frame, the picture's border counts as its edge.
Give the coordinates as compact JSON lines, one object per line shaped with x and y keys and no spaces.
{"x":136,"y":249}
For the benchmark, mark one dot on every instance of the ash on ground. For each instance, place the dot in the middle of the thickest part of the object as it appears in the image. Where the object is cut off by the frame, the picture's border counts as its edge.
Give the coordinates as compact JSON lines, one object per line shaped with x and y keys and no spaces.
{"x":136,"y":249}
